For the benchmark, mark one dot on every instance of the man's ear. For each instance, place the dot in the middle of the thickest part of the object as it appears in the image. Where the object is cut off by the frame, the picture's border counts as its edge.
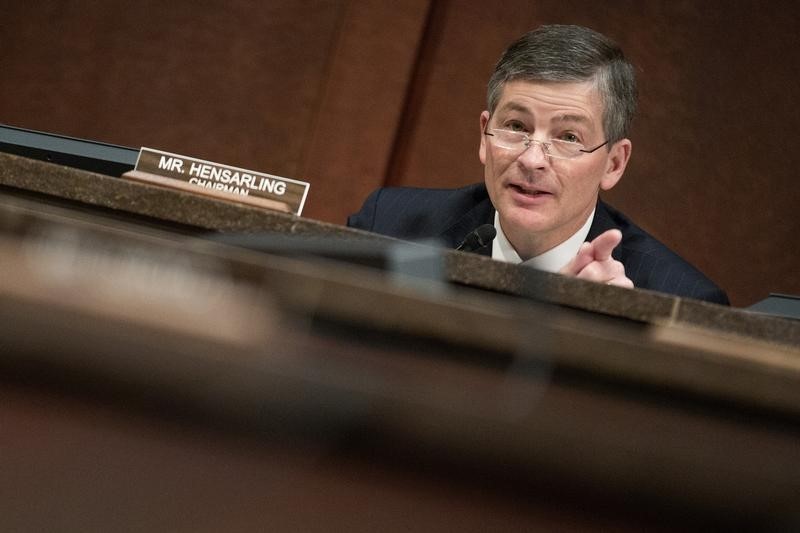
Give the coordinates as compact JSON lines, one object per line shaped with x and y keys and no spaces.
{"x":482,"y":149}
{"x":618,"y":157}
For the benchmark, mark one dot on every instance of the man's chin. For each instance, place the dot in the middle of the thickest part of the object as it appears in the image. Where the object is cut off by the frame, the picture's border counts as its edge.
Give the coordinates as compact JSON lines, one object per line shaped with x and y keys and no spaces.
{"x":526,"y":220}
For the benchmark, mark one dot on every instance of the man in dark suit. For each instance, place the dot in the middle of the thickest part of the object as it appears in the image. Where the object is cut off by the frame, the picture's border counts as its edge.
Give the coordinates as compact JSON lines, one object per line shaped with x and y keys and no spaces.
{"x":555,"y":133}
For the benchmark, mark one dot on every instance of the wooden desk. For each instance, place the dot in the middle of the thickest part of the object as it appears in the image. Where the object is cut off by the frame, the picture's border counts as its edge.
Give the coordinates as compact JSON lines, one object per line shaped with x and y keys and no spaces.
{"x":155,"y":380}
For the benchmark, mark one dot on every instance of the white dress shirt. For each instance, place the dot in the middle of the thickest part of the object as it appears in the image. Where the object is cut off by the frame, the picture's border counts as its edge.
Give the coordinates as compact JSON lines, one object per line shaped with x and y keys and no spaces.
{"x":552,"y":260}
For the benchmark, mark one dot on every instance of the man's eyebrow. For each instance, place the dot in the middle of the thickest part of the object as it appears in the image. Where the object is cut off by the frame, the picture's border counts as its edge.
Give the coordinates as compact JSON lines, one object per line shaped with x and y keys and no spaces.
{"x":514,"y":106}
{"x":581,"y":119}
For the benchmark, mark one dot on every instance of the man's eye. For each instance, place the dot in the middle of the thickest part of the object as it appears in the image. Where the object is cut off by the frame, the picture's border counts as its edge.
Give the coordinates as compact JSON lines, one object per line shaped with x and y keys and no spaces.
{"x":515,"y":126}
{"x":569,"y":137}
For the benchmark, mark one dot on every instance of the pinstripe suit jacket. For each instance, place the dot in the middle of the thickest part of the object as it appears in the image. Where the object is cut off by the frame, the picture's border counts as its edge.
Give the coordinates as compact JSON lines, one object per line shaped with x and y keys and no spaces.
{"x":450,"y":214}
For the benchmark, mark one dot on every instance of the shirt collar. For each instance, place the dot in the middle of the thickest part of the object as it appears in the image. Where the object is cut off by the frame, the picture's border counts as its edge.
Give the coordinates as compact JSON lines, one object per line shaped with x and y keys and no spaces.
{"x":552,"y":260}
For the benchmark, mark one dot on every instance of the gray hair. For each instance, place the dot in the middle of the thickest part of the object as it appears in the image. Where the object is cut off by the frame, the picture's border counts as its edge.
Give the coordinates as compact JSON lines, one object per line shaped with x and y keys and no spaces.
{"x":559,"y":53}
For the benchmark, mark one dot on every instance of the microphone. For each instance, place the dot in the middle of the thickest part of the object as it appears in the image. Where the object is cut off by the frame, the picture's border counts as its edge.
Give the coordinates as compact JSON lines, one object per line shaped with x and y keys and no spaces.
{"x":477,"y":238}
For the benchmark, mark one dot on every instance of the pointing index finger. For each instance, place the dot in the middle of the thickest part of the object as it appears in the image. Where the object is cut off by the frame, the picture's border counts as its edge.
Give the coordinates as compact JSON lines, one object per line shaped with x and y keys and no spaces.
{"x":605,"y":243}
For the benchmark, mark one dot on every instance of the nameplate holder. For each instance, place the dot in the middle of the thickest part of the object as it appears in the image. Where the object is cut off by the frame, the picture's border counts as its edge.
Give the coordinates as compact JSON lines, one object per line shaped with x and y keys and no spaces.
{"x":219,"y":181}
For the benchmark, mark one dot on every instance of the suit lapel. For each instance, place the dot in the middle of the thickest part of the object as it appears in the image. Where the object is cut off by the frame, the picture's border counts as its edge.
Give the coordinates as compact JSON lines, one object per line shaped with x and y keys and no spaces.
{"x":481,"y":213}
{"x":603,"y":222}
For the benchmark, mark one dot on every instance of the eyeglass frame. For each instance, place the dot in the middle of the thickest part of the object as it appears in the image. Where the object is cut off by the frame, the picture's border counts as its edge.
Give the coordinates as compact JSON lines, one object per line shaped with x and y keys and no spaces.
{"x":544,"y":144}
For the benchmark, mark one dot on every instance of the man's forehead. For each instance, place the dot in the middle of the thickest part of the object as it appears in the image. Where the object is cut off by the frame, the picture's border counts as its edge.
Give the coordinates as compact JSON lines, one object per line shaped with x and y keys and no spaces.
{"x":517,"y":95}
{"x":521,"y":107}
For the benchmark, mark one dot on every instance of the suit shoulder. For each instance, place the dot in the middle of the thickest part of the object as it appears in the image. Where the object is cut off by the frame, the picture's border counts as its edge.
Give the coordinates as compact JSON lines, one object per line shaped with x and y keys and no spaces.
{"x":651,"y":264}
{"x":387,"y":196}
{"x":413,"y":212}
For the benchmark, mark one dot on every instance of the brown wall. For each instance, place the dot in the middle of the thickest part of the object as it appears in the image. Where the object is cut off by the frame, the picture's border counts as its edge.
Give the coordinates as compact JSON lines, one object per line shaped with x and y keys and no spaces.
{"x":353,"y":95}
{"x":303,"y":89}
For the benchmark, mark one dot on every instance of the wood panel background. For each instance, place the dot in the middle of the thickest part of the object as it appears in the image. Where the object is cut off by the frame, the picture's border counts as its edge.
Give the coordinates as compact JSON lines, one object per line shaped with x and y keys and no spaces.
{"x":354,"y":95}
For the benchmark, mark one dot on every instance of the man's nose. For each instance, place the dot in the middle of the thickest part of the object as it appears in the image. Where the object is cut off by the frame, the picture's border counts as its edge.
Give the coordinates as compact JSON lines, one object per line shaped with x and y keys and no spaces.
{"x":534,"y":156}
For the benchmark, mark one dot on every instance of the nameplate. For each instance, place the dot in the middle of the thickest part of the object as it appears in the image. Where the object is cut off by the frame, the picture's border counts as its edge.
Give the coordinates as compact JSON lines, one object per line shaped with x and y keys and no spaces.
{"x":220,"y":181}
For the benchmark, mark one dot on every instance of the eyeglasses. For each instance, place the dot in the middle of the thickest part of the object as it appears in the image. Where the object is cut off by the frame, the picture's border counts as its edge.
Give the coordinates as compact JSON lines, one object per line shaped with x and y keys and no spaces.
{"x":555,"y":148}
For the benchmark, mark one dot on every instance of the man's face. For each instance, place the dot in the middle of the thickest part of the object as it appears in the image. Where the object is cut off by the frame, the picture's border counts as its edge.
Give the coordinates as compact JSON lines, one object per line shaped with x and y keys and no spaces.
{"x":542,"y":201}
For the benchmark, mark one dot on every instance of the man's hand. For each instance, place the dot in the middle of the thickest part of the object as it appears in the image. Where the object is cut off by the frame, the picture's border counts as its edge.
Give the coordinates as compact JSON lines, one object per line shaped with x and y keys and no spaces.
{"x":594,"y":261}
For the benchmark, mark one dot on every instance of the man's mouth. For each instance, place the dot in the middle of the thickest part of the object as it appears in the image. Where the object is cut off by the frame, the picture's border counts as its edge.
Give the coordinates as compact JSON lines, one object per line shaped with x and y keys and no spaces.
{"x":533,"y":192}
